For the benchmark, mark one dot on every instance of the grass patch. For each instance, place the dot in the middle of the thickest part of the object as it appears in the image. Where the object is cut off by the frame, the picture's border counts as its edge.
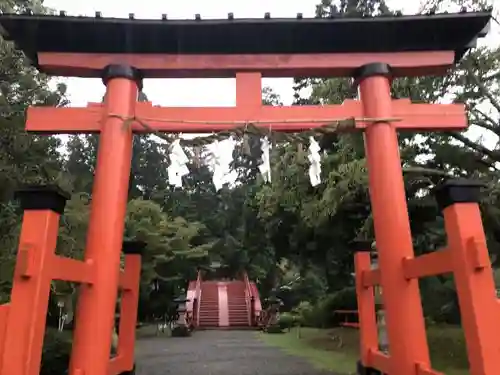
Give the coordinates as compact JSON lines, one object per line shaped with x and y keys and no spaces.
{"x":323,"y":351}
{"x":448,"y":350}
{"x":313,"y":346}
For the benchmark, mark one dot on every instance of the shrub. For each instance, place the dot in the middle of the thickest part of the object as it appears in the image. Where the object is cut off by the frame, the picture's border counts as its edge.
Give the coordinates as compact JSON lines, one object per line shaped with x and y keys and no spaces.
{"x":440,"y":300}
{"x":322,"y":314}
{"x":287,"y":321}
{"x":447,"y":346}
{"x":274,"y":329}
{"x":181,"y":331}
{"x":304,"y":312}
{"x":344,"y":299}
{"x":56,"y":352}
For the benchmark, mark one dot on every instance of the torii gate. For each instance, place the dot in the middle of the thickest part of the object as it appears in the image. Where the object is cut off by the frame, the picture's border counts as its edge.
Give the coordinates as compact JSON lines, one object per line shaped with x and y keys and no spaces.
{"x":124,"y":52}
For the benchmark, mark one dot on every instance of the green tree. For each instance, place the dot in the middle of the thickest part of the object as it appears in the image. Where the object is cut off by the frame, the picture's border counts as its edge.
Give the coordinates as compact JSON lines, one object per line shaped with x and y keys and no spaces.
{"x":24,"y":158}
{"x":172,"y":253}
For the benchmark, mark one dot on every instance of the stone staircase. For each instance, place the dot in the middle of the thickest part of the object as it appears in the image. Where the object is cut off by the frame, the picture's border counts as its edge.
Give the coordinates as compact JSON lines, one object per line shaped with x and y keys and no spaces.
{"x":237,"y":305}
{"x":223,"y":304}
{"x":209,"y":307}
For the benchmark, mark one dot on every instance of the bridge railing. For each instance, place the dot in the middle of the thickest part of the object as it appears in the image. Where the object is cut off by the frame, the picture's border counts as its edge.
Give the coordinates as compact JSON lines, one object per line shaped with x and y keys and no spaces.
{"x":249,"y":299}
{"x":193,"y":304}
{"x":348,"y":316}
{"x":257,"y":304}
{"x":198,"y":299}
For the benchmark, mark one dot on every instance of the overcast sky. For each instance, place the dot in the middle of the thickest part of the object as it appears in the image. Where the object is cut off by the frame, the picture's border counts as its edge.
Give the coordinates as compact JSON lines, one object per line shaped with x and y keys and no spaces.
{"x":204,"y":92}
{"x":190,"y":92}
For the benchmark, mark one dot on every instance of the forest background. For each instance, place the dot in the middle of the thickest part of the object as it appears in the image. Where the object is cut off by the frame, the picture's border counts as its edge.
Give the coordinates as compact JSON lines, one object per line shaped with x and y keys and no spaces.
{"x":293,"y":239}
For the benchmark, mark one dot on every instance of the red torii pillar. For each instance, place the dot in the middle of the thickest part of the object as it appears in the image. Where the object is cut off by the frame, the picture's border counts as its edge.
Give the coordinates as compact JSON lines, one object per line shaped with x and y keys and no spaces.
{"x":401,"y":297}
{"x":96,"y":304}
{"x":405,"y":323}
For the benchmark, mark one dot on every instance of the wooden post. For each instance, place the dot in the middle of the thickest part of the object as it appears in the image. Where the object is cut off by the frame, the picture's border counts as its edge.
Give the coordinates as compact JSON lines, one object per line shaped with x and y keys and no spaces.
{"x":25,"y":325}
{"x":473,"y":274}
{"x":401,"y":297}
{"x":96,"y":304}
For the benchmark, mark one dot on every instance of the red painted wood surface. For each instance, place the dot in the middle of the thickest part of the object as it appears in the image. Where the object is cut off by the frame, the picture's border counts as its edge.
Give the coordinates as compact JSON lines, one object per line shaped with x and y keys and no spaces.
{"x":411,"y":116}
{"x":223,"y":304}
{"x":226,"y":66}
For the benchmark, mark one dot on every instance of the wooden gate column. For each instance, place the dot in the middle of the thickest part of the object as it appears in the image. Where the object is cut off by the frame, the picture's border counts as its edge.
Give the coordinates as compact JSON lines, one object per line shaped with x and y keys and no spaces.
{"x":472,"y":271}
{"x":27,"y":311}
{"x":96,"y":304}
{"x":401,"y":297}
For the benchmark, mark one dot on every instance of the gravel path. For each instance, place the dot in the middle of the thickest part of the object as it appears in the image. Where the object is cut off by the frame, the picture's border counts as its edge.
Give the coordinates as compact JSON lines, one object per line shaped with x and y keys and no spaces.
{"x":217,"y":353}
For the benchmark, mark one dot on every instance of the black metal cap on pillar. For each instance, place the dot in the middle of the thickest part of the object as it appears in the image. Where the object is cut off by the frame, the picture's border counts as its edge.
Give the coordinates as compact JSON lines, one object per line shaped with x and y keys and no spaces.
{"x":458,"y":191}
{"x":372,"y":70}
{"x":122,"y":71}
{"x":361,"y":245}
{"x":42,"y":197}
{"x":133,"y":247}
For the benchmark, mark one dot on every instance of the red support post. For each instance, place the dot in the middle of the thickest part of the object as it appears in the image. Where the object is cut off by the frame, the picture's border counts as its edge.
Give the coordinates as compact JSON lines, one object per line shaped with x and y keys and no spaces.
{"x":4,"y":313}
{"x":129,"y":303}
{"x":96,"y":305}
{"x":401,"y":297}
{"x":366,"y":305}
{"x":25,"y":324}
{"x":473,"y":274}
{"x":198,"y":299}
